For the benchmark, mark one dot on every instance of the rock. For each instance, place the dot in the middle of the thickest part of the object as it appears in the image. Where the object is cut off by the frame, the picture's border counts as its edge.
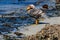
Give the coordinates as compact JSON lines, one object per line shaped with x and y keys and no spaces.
{"x":49,"y":32}
{"x":19,"y":34}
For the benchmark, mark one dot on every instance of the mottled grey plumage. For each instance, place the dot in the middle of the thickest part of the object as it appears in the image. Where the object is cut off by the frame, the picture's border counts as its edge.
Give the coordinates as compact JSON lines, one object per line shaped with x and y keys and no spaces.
{"x":36,"y":13}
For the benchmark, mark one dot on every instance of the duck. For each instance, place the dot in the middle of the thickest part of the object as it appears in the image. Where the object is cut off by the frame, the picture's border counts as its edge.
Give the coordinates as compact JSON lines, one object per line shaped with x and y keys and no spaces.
{"x":35,"y":12}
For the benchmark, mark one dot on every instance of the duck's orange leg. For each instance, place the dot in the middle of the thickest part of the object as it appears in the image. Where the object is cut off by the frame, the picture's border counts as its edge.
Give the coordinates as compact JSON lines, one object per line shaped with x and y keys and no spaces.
{"x":37,"y":21}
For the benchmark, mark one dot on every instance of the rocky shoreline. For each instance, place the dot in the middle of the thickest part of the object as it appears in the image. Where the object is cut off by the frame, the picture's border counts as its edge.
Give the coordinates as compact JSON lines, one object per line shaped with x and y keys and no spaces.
{"x":50,"y":32}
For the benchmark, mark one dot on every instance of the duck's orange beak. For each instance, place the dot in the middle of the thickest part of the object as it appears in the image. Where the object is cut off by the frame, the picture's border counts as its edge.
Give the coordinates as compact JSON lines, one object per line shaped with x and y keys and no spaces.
{"x":28,"y":8}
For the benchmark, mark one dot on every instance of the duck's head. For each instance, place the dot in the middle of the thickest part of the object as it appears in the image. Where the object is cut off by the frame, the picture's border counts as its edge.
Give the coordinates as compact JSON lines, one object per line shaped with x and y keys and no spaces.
{"x":29,"y":7}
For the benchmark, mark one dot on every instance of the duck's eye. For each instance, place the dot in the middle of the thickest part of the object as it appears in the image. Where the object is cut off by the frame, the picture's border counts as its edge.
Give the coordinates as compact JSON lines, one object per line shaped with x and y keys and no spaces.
{"x":31,"y":8}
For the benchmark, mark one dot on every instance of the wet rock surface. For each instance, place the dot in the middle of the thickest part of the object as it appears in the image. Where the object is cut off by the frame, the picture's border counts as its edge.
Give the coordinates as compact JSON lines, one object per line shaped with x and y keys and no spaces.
{"x":50,"y":32}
